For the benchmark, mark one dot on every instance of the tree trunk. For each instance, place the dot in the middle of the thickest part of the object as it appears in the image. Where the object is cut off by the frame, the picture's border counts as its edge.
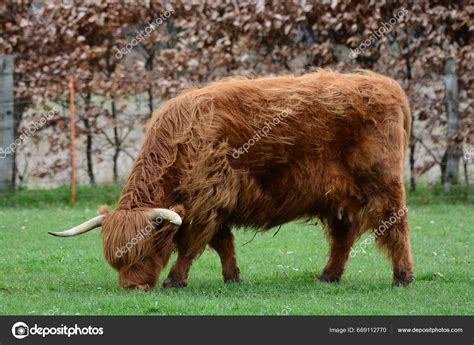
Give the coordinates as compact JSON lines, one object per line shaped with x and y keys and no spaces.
{"x":454,"y":148}
{"x":443,"y":167}
{"x":149,"y":67}
{"x":19,"y":110}
{"x":466,"y":175}
{"x":88,"y":127}
{"x":150,"y":100}
{"x":116,"y":143}
{"x":412,"y":158}
{"x":90,"y":166}
{"x":115,"y":160}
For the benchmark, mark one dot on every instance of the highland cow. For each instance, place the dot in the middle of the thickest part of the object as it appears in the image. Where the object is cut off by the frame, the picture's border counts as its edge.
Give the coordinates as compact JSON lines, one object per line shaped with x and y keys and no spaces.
{"x":337,"y":154}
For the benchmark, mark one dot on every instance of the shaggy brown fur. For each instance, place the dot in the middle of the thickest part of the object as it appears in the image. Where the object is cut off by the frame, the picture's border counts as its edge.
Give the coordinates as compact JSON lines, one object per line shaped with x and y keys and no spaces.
{"x":337,"y":156}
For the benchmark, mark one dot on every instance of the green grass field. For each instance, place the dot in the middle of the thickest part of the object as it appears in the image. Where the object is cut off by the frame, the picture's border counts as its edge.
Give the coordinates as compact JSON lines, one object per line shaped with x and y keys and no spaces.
{"x":40,"y":274}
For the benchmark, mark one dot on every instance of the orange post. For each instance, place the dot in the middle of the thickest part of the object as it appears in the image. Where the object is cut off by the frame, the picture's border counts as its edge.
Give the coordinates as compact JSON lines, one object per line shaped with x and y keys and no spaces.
{"x":73,"y":140}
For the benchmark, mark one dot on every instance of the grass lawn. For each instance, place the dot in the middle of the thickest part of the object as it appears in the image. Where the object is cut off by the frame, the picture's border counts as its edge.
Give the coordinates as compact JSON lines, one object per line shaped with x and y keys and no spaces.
{"x":40,"y":274}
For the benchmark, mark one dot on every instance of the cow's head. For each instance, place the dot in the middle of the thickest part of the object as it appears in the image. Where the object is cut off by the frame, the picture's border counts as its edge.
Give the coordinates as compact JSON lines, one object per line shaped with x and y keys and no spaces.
{"x":137,"y":243}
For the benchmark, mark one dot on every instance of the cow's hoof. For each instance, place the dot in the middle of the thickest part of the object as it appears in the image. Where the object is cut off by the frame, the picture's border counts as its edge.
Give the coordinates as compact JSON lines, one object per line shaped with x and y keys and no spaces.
{"x":326,"y":278}
{"x":169,"y":282}
{"x":402,"y":278}
{"x":233,"y":279}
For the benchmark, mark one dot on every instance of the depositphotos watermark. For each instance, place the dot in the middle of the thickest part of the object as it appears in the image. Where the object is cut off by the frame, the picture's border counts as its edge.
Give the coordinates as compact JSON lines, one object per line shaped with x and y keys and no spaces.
{"x":140,"y":236}
{"x":21,"y":330}
{"x":142,"y":34}
{"x":261,"y":133}
{"x":29,"y":132}
{"x":383,"y":29}
{"x":380,"y":231}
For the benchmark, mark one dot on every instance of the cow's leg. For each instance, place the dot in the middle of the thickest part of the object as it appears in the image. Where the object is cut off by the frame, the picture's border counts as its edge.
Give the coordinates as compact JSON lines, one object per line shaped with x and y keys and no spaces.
{"x":223,"y":244}
{"x":178,"y":276}
{"x":342,"y":233}
{"x":392,"y":233}
{"x":397,"y":244}
{"x":190,"y":243}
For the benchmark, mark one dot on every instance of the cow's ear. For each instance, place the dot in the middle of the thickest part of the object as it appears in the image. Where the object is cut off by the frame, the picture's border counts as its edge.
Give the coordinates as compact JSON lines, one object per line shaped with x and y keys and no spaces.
{"x":179,"y":209}
{"x":103,"y":210}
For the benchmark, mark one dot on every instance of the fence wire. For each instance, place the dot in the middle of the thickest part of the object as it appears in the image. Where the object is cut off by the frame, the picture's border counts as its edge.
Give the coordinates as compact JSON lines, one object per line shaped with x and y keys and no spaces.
{"x":138,"y":107}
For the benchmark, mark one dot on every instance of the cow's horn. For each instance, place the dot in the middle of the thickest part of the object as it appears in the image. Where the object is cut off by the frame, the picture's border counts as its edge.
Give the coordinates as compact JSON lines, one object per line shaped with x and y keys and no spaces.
{"x":154,"y":214}
{"x":164,"y":213}
{"x":80,"y":229}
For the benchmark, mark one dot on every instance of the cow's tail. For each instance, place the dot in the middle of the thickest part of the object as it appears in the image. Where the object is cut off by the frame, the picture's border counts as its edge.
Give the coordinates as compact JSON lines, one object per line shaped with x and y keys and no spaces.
{"x":407,"y":120}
